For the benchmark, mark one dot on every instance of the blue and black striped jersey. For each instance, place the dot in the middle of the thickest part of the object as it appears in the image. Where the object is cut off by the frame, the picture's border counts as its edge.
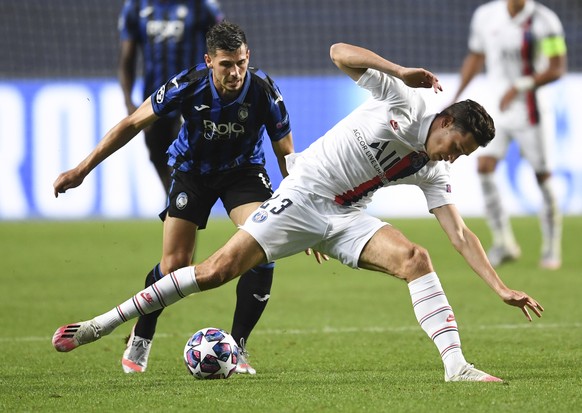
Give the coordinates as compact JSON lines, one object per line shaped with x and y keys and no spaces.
{"x":217,"y":135}
{"x":171,"y":34}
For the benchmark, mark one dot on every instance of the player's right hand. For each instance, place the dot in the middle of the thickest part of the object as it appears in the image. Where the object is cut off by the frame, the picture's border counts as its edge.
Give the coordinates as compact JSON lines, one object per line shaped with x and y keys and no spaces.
{"x":318,"y":255}
{"x":67,"y":180}
{"x":523,"y":301}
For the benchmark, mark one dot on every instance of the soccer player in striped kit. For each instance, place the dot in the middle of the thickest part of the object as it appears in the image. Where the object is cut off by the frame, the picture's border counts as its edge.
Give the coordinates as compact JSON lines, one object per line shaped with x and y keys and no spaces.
{"x":170,"y":35}
{"x":522,"y":44}
{"x":390,"y":139}
{"x":228,"y":108}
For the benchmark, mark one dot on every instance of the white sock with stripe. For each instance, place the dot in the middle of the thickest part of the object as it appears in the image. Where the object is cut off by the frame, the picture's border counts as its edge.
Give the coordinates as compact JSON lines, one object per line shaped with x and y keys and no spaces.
{"x":551,"y":222}
{"x":162,"y":293}
{"x":435,"y":316}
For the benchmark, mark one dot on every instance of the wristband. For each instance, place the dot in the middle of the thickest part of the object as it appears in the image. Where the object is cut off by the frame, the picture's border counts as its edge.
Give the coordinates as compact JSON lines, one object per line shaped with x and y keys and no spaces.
{"x":523,"y":84}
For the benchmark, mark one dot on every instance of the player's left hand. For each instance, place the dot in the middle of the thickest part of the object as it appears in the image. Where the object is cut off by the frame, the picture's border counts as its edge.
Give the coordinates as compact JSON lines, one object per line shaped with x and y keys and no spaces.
{"x":523,"y":301}
{"x":417,"y":77}
{"x":318,"y":255}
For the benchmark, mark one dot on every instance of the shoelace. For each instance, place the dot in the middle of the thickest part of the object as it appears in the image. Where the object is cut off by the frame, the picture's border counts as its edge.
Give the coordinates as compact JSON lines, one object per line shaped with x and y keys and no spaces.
{"x":242,"y":350}
{"x":140,"y":342}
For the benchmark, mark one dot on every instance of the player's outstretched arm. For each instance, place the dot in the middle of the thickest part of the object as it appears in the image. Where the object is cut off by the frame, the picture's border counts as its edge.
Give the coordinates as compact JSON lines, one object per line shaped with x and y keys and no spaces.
{"x":116,"y":138}
{"x":469,"y":246}
{"x":355,"y":60}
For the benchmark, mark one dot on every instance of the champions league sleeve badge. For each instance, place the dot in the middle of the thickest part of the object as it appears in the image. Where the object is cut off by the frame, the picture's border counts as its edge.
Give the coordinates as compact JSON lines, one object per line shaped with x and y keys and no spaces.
{"x":160,"y":94}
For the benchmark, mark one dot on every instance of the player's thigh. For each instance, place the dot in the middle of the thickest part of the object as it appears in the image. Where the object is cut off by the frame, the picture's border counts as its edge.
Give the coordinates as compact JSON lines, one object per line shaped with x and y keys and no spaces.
{"x":389,"y":251}
{"x":535,"y":148}
{"x":239,"y":214}
{"x":240,"y":253}
{"x":349,"y":230}
{"x":179,"y":240}
{"x":498,"y":146}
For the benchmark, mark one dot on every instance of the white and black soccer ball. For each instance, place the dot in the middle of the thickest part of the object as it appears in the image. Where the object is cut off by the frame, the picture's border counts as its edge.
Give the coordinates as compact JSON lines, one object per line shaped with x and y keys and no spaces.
{"x":211,"y":353}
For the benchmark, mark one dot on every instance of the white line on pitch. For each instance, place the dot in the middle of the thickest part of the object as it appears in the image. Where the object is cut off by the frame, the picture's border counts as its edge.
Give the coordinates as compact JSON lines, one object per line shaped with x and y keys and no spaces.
{"x":344,"y":330}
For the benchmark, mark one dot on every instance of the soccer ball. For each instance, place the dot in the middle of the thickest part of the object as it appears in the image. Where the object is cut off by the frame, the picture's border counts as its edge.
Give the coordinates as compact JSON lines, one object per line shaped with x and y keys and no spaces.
{"x":211,"y":353}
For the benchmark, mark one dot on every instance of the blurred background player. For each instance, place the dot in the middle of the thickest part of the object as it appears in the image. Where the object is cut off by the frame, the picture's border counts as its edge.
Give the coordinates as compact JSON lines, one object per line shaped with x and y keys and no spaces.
{"x":522,"y":44}
{"x":227,"y":108}
{"x":171,"y":36}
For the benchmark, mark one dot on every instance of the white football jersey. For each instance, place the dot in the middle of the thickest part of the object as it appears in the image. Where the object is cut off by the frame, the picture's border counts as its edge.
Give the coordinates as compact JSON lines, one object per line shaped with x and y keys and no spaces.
{"x":381,"y":143}
{"x":512,"y":46}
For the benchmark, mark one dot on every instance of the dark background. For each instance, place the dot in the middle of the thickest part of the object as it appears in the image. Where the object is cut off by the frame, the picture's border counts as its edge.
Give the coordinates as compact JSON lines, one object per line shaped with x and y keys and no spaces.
{"x":78,"y":38}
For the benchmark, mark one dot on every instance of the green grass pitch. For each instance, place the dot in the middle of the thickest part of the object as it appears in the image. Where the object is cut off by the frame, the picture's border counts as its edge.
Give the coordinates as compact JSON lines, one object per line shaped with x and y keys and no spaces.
{"x":332,"y":339}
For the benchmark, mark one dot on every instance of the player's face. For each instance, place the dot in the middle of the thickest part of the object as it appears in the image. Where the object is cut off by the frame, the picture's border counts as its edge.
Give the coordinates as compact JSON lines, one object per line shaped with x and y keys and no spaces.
{"x":228,"y":70}
{"x":447,"y":144}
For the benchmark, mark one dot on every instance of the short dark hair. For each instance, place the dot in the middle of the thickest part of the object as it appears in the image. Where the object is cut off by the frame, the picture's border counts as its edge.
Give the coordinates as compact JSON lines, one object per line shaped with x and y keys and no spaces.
{"x":469,"y":116}
{"x":225,"y":36}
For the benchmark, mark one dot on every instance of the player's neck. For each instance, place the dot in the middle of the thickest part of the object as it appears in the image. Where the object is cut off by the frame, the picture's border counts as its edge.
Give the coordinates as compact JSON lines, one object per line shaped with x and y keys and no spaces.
{"x":515,"y":7}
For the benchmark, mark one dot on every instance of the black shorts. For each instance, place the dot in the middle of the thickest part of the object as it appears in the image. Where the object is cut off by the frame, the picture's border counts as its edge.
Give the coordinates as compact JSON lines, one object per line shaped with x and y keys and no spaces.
{"x":192,"y":196}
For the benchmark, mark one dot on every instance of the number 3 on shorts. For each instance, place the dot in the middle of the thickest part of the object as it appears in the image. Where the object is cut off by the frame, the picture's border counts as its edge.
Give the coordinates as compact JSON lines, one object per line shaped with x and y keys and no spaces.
{"x":276,"y":206}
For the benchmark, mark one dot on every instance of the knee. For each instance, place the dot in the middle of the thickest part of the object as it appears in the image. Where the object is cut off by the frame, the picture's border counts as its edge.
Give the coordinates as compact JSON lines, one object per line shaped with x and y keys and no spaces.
{"x":174,"y":262}
{"x":416,"y":264}
{"x":214,"y":273}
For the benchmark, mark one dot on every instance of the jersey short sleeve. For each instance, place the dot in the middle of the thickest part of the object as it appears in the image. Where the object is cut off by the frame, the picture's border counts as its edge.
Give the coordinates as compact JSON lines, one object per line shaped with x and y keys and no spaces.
{"x":170,"y":96}
{"x":476,"y":42}
{"x":381,"y":85}
{"x":435,"y":183}
{"x":277,"y":123}
{"x":552,"y":38}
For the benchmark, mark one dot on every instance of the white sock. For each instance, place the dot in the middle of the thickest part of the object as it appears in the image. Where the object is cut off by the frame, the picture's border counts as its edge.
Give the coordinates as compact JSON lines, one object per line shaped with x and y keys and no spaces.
{"x":171,"y":288}
{"x":435,"y":316}
{"x":497,"y":218}
{"x":550,"y":221}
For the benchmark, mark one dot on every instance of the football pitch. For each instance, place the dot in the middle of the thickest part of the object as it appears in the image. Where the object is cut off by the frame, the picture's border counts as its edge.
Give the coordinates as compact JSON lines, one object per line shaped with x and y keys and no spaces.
{"x":332,"y":339}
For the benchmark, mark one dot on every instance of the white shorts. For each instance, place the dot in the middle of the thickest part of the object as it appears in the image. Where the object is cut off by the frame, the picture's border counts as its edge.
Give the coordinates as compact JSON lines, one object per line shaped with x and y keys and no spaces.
{"x":290,"y":222}
{"x":535,"y":144}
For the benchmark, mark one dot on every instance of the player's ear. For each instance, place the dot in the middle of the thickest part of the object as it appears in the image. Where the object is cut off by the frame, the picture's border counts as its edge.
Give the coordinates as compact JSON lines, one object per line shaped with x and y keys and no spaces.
{"x":447,"y":121}
{"x":208,"y":60}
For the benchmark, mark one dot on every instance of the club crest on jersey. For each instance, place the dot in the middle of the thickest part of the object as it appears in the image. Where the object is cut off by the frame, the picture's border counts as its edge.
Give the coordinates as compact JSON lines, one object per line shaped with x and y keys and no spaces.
{"x":160,"y":94}
{"x":448,"y":188}
{"x":394,"y":124}
{"x":243,"y":113}
{"x":260,"y":216}
{"x":181,"y":200}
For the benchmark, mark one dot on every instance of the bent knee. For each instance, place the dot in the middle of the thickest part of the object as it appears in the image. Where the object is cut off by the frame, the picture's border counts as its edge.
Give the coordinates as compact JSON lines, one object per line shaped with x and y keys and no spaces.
{"x":212,"y":274}
{"x":175,"y":262}
{"x":416,"y":264}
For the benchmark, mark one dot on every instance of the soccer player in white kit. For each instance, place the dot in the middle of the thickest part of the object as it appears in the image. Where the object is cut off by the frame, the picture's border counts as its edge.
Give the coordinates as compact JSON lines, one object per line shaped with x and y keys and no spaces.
{"x":522,"y":44}
{"x":388,"y":140}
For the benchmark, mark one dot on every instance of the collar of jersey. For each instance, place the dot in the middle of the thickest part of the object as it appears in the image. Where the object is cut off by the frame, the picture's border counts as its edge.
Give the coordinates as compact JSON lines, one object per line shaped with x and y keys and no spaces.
{"x":425,"y":123}
{"x":241,"y":97}
{"x":525,"y":13}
